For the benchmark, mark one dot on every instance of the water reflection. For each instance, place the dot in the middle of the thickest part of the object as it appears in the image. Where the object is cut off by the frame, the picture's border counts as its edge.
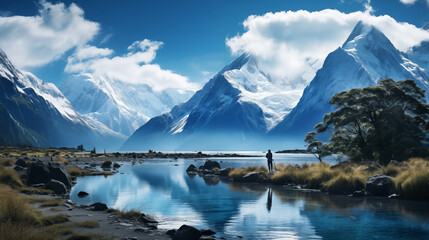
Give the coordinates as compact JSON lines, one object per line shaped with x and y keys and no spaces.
{"x":253,"y":211}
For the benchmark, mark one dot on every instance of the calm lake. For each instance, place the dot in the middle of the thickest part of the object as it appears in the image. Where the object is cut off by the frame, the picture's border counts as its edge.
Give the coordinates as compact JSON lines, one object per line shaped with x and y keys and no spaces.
{"x":163,"y":189}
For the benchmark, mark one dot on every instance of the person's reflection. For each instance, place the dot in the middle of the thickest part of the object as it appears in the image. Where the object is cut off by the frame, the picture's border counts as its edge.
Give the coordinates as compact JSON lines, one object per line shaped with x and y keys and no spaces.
{"x":269,"y":199}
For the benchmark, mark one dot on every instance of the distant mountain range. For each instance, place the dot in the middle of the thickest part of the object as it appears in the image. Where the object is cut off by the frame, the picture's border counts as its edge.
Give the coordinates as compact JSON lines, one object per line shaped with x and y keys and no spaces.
{"x":122,"y":107}
{"x":240,"y":108}
{"x":36,"y":113}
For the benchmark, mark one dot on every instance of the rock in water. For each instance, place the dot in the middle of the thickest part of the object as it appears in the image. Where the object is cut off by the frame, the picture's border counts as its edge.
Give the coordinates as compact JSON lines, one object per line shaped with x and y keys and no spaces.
{"x":225,"y":172}
{"x":210,"y":165}
{"x":191,"y":168}
{"x":56,"y":186}
{"x":186,"y":232}
{"x":147,"y":219}
{"x":379,"y":185}
{"x":82,"y":194}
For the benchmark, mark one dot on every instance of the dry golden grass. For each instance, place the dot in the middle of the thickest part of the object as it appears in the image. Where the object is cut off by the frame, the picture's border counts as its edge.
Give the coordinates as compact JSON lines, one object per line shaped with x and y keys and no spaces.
{"x":76,"y":172}
{"x":15,"y":231}
{"x":55,"y":219}
{"x":6,"y":162}
{"x":10,"y":177}
{"x":345,"y":183}
{"x":414,"y":182}
{"x":132,"y":214}
{"x":37,"y":191}
{"x":15,"y":209}
{"x":61,"y":159}
{"x":236,"y":173}
{"x":51,"y":203}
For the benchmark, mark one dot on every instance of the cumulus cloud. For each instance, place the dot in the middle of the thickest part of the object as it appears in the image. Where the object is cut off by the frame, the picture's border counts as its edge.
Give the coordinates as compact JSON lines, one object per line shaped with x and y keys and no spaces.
{"x":292,"y":45}
{"x":38,"y":40}
{"x":135,"y":67}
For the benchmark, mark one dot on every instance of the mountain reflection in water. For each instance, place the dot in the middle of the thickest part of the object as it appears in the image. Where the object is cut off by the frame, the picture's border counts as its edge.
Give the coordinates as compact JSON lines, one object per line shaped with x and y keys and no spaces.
{"x":254,"y":211}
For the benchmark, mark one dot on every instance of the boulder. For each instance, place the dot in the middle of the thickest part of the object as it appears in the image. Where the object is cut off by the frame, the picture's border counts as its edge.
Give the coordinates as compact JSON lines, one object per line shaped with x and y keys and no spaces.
{"x":372,"y":166}
{"x":116,"y":165}
{"x":99,"y":206}
{"x":251,"y":177}
{"x":38,"y":172}
{"x":186,"y":232}
{"x":18,"y":168}
{"x":191,"y":168}
{"x":82,"y":194}
{"x":21,"y":162}
{"x":207,"y":232}
{"x":147,"y":219}
{"x":379,"y":185}
{"x":225,"y":172}
{"x":358,"y":194}
{"x":56,"y":186}
{"x":43,"y":172}
{"x":58,"y":171}
{"x":210,"y":165}
{"x":171,"y":232}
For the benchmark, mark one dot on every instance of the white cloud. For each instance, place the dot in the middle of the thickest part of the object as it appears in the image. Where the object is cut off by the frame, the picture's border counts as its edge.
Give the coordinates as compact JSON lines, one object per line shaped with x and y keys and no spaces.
{"x":292,"y":45}
{"x":38,"y":40}
{"x":408,"y":2}
{"x":135,"y":67}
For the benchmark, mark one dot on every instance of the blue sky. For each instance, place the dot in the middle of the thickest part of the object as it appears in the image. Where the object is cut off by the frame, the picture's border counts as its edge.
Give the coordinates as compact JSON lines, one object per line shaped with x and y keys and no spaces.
{"x":193,"y":33}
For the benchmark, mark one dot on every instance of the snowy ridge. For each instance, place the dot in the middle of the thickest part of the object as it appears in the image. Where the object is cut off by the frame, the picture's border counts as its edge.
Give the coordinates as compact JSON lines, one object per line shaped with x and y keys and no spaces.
{"x":123,"y":107}
{"x":38,"y":114}
{"x":366,"y":57}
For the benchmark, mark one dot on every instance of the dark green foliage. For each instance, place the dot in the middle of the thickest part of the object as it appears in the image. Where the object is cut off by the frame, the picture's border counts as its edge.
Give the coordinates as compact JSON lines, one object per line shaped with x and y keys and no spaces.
{"x":381,"y":123}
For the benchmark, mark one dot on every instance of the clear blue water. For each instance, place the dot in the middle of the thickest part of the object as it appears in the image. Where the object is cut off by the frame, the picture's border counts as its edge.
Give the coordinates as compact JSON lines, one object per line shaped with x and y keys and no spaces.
{"x":163,"y":189}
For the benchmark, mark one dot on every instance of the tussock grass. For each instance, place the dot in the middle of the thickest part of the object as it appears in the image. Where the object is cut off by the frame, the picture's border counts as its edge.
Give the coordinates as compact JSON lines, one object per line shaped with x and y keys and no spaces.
{"x":15,"y":231}
{"x":413,"y":183}
{"x":15,"y":209}
{"x":77,"y":172}
{"x":55,"y":219}
{"x":51,"y":203}
{"x":87,"y":224}
{"x":237,"y":173}
{"x":345,"y":183}
{"x":36,"y":191}
{"x":10,"y":177}
{"x":6,"y":162}
{"x":61,"y":159}
{"x":132,"y":214}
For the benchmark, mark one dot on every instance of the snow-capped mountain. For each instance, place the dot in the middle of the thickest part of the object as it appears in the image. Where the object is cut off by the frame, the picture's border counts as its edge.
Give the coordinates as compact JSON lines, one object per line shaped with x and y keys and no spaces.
{"x":36,"y":113}
{"x":366,"y":57}
{"x":232,"y":111}
{"x":123,"y":107}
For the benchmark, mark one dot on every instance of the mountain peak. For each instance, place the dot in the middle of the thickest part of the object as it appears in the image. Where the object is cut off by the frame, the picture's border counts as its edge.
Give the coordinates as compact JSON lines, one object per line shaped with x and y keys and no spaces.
{"x":6,"y":66}
{"x":365,"y":35}
{"x":239,"y":62}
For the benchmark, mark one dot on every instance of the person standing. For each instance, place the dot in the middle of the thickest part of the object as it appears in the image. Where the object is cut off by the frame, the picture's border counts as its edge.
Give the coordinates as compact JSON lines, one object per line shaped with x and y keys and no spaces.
{"x":269,"y":157}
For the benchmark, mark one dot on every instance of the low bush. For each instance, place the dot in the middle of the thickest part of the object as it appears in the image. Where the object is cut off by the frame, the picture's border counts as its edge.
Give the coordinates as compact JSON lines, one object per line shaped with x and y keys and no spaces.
{"x":106,"y":164}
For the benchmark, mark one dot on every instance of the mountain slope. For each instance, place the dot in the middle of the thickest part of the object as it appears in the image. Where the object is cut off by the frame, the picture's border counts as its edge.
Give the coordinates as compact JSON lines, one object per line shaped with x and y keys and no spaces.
{"x":123,"y":107}
{"x":232,"y":111}
{"x":36,"y":113}
{"x":365,"y":58}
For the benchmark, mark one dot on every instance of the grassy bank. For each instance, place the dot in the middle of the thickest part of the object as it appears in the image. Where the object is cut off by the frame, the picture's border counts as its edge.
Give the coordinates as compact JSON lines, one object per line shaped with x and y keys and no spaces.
{"x":411,"y":177}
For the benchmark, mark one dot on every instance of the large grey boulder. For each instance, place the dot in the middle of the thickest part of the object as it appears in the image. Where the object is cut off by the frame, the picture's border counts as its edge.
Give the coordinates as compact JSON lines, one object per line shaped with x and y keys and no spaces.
{"x":192,"y":168}
{"x":210,"y":165}
{"x":56,"y":186}
{"x":186,"y":232}
{"x":21,"y":162}
{"x":379,"y":185}
{"x":43,"y":172}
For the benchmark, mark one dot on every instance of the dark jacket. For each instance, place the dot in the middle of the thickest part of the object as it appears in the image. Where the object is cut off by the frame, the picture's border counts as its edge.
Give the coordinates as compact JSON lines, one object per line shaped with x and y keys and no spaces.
{"x":269,"y":156}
